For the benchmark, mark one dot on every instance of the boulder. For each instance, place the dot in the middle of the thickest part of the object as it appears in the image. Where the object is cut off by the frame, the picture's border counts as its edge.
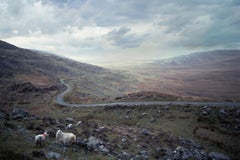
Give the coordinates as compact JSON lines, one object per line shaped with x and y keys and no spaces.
{"x":223,"y":112}
{"x":124,"y":155}
{"x":53,"y":155}
{"x":82,"y":142}
{"x":38,"y":154}
{"x":153,"y":119}
{"x":93,"y":143}
{"x":19,"y":114}
{"x":69,"y":120}
{"x":3,"y":114}
{"x":217,"y":156}
{"x":103,"y":149}
{"x":144,"y":131}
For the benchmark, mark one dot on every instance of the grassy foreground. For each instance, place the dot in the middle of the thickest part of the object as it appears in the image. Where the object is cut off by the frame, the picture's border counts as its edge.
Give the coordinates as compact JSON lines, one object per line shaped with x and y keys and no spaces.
{"x":131,"y":130}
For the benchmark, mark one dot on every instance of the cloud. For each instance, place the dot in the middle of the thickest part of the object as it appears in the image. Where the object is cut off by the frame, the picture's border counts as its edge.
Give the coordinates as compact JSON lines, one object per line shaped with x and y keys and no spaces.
{"x":133,"y":30}
{"x":123,"y":37}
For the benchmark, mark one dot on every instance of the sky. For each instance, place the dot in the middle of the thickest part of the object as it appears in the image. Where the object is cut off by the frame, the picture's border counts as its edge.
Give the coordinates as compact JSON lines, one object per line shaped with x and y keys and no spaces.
{"x":121,"y":32}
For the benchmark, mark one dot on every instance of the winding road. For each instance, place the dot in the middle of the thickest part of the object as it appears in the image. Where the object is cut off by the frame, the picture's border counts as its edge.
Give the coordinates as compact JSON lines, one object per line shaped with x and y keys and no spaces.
{"x":59,"y":100}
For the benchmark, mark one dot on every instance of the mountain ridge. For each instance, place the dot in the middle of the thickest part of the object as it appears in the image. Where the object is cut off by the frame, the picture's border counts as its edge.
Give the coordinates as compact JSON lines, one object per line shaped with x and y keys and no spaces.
{"x":19,"y":67}
{"x":206,"y":57}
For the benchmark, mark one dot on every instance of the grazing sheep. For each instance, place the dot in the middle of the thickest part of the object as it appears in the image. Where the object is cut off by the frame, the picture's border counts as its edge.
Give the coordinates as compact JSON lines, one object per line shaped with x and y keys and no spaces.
{"x":40,"y":138}
{"x":65,"y":138}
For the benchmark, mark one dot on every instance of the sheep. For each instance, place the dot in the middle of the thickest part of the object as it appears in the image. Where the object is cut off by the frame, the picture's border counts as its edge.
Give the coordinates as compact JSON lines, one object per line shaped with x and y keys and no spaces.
{"x":40,"y":138}
{"x":65,"y":138}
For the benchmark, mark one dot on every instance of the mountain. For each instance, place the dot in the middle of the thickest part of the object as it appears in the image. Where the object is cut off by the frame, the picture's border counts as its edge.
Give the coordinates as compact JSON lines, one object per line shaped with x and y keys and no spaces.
{"x":203,"y":58}
{"x":212,"y":75}
{"x":22,"y":61}
{"x":26,"y":73}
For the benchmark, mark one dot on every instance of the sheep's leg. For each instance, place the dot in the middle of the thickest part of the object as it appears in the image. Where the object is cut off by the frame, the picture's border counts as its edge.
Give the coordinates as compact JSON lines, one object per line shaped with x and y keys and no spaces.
{"x":38,"y":143}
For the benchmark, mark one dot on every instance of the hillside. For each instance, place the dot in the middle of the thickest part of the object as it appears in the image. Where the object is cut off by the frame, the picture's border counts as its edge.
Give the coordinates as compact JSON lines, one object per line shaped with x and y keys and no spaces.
{"x":212,"y":75}
{"x":25,"y":74}
{"x":216,"y":57}
{"x":30,"y":81}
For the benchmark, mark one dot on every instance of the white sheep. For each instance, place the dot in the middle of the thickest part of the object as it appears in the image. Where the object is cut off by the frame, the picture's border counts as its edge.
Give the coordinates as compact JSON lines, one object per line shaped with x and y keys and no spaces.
{"x":65,"y":138}
{"x":40,"y":138}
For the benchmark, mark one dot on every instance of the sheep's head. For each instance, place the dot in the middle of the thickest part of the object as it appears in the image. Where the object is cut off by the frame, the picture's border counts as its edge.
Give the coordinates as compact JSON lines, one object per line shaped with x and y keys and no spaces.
{"x":45,"y":134}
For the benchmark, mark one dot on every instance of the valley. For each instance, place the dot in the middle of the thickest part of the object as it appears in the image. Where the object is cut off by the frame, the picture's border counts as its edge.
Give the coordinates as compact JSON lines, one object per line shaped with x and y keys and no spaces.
{"x":200,"y":76}
{"x":163,"y":110}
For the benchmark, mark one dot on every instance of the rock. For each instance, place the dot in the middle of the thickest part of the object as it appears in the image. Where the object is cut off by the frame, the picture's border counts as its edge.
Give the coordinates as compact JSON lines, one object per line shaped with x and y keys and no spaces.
{"x":124,"y":140}
{"x":143,"y":155}
{"x":38,"y":154}
{"x":96,"y":145}
{"x":53,"y":155}
{"x":218,"y":156}
{"x":82,"y":142}
{"x":189,"y":143}
{"x":144,"y":131}
{"x":22,"y":131}
{"x":223,"y":112}
{"x":49,"y":121}
{"x":125,"y":155}
{"x":19,"y":114}
{"x":205,"y":107}
{"x":237,"y":113}
{"x":166,"y":108}
{"x":103,"y":149}
{"x":182,"y":153}
{"x":93,"y":143}
{"x":3,"y":114}
{"x":163,"y":152}
{"x":69,"y":120}
{"x":126,"y":117}
{"x":69,"y":126}
{"x":79,"y":123}
{"x":153,"y":119}
{"x":204,"y":113}
{"x":101,"y":129}
{"x":129,"y":111}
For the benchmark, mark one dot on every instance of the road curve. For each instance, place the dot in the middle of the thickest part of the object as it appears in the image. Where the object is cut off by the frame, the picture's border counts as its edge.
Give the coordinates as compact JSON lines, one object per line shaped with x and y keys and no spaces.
{"x":60,"y":101}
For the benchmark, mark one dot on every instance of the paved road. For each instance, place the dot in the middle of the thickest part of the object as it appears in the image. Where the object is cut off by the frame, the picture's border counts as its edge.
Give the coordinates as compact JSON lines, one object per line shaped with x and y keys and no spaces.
{"x":60,"y":101}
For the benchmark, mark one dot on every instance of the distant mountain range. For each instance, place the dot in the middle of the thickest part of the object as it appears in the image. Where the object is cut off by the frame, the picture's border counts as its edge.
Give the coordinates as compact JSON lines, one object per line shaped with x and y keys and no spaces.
{"x":201,"y":58}
{"x":211,"y":75}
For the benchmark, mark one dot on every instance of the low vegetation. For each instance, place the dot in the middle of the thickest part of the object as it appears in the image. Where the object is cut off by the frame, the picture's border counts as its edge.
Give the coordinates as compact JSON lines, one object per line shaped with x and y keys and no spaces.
{"x":123,"y":131}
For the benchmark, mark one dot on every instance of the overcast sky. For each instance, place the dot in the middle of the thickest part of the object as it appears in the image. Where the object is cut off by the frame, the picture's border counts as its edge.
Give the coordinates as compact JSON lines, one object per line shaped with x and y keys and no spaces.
{"x":107,"y":32}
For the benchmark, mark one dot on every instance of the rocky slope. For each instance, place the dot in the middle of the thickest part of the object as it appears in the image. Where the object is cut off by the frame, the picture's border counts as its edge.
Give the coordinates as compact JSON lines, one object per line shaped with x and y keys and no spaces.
{"x":26,"y":73}
{"x":138,"y":133}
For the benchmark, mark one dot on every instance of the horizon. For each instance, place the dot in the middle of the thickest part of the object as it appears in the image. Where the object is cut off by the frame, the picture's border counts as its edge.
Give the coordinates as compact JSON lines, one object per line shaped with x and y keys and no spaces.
{"x":112,"y":33}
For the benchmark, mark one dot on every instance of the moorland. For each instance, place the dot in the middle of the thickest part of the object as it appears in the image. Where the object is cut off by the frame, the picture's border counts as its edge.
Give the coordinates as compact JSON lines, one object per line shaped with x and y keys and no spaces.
{"x":30,"y":82}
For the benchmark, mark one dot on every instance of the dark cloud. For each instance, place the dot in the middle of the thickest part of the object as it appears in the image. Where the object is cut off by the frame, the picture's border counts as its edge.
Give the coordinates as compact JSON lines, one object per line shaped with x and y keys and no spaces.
{"x":123,"y":38}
